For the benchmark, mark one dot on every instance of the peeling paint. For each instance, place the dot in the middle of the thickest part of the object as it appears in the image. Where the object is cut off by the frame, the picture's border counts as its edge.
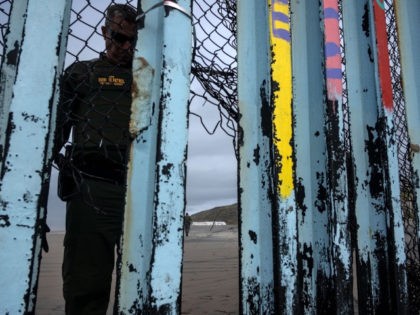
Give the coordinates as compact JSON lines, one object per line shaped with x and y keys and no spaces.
{"x":12,"y":55}
{"x":266,"y":111}
{"x":9,"y":130}
{"x":166,"y":169}
{"x":253,"y":236}
{"x":29,"y":117}
{"x":374,"y":149}
{"x":365,"y":21}
{"x":4,"y":220}
{"x":257,"y":155}
{"x":300,"y":198}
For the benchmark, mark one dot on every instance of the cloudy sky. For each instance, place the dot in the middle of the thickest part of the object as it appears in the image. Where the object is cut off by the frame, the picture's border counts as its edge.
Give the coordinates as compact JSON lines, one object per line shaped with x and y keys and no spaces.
{"x":211,"y":166}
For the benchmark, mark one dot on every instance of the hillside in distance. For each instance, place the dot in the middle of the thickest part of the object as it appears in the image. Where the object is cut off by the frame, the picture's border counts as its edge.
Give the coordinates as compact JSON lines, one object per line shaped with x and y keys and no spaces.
{"x":228,"y":214}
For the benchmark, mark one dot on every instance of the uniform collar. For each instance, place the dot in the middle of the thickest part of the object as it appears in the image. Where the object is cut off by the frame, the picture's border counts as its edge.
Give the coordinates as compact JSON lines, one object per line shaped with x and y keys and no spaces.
{"x":103,"y":57}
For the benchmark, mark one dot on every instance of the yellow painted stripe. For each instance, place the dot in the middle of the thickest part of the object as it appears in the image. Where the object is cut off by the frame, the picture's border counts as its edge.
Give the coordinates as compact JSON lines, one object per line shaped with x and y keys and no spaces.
{"x":281,"y":72}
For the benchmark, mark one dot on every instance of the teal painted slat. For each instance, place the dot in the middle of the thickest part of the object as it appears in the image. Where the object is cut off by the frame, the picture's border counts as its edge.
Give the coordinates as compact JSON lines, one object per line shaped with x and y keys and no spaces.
{"x":315,"y":278}
{"x":133,"y":287}
{"x":408,"y":26}
{"x":337,"y":183}
{"x":171,"y":157}
{"x":255,"y":164}
{"x":395,"y":226}
{"x":369,"y":202}
{"x":153,"y":229}
{"x":285,"y":214}
{"x":9,"y":67}
{"x":24,"y":168}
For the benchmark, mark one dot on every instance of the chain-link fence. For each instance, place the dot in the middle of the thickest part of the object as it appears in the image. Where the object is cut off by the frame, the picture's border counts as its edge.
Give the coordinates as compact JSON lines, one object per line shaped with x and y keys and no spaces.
{"x":213,"y":79}
{"x":213,"y":85}
{"x":5,"y":7}
{"x":214,"y":66}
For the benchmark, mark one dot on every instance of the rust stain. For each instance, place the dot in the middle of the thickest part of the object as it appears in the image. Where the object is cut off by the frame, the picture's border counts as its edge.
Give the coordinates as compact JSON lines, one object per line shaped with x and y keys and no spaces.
{"x":141,"y":91}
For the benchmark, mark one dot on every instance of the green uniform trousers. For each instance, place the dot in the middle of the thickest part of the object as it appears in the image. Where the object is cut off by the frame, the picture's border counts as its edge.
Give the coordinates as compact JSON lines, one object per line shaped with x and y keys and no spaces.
{"x":93,"y":229}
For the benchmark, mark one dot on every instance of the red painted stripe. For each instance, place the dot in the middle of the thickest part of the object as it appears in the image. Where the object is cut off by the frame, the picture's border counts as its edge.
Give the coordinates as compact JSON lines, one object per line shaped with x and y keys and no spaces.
{"x":383,"y":56}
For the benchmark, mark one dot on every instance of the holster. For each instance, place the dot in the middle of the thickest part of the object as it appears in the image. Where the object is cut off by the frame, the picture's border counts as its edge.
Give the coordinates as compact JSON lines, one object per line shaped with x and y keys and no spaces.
{"x":66,"y":187}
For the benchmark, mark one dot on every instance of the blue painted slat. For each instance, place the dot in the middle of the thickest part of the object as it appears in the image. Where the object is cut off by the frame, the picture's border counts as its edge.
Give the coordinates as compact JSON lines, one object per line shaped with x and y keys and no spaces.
{"x":9,"y":67}
{"x":309,"y":144}
{"x":133,"y":287}
{"x":369,"y":201}
{"x":408,"y":26}
{"x":255,"y":177}
{"x":385,"y":106}
{"x":157,"y":241}
{"x":337,"y":185}
{"x":24,"y":166}
{"x":166,"y":269}
{"x":285,"y":216}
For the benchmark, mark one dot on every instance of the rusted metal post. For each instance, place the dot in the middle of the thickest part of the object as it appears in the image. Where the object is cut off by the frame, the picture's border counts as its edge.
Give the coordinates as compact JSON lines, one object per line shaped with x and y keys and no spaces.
{"x":256,"y":196}
{"x":9,"y":66}
{"x":315,"y":286}
{"x":409,"y":39}
{"x":341,"y":253}
{"x":29,"y":102}
{"x":369,"y":199}
{"x":133,"y":287}
{"x":395,"y":226}
{"x":285,"y":216}
{"x":153,"y":227}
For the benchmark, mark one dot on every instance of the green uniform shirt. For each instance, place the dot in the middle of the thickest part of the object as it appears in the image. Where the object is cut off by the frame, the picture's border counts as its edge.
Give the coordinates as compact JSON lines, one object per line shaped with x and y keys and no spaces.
{"x":95,"y":106}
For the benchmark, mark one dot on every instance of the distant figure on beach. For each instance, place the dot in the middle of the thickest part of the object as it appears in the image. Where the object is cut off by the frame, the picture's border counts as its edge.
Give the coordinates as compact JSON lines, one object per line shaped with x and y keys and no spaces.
{"x":187,"y":223}
{"x":95,"y":108}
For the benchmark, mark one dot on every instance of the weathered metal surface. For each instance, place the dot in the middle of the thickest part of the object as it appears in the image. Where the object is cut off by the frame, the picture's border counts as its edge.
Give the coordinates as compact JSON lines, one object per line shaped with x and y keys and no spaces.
{"x":256,"y":196}
{"x":153,"y":228}
{"x":369,"y":199}
{"x":281,"y":96}
{"x":24,"y":175}
{"x":395,"y":226}
{"x":12,"y":49}
{"x":295,"y":224}
{"x":314,"y":273}
{"x":341,"y":262}
{"x":409,"y":39}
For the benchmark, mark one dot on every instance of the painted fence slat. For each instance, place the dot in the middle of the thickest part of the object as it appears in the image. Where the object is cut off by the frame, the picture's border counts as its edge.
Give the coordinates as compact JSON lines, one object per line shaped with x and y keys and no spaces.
{"x":153,"y":242}
{"x":171,"y":157}
{"x":285,"y":216}
{"x":369,"y":199}
{"x":296,"y":172}
{"x":9,"y":67}
{"x":395,"y":226}
{"x":408,"y":26}
{"x":315,"y":279}
{"x":133,"y":287}
{"x":24,"y":173}
{"x":336,"y":159}
{"x":255,"y":180}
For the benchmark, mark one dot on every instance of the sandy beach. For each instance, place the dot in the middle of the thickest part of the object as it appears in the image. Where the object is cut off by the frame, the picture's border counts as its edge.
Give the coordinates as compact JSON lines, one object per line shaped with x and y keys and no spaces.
{"x":210,"y":275}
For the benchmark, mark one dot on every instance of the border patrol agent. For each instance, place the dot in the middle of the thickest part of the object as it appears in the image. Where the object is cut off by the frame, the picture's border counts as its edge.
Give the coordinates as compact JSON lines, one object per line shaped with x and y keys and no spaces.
{"x":95,"y":109}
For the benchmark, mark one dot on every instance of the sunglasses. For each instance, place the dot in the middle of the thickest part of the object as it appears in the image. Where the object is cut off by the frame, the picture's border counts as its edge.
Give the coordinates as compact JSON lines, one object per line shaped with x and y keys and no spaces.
{"x":121,"y":38}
